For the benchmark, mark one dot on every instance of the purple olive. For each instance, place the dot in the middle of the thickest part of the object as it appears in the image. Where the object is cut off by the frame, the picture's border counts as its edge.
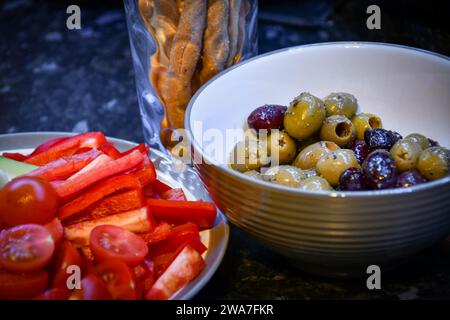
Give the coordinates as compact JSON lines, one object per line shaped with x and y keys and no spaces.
{"x":433,"y":143}
{"x":352,"y":179}
{"x":269,"y":116}
{"x":395,"y":136}
{"x":360,"y":149}
{"x":379,"y":139}
{"x":410,"y":178}
{"x":379,"y":170}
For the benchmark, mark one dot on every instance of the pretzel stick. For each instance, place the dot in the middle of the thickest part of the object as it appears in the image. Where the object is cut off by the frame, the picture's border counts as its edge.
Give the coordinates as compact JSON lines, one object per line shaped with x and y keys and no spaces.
{"x":216,"y":41}
{"x":243,"y":12}
{"x":184,"y":55}
{"x":233,"y":30}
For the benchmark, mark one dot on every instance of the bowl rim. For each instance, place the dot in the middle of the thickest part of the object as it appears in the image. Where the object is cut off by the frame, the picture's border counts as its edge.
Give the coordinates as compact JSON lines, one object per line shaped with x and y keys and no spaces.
{"x":335,"y":193}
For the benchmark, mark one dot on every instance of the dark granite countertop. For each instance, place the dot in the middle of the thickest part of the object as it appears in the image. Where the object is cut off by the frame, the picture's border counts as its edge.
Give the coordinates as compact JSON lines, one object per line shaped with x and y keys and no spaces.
{"x":53,"y":79}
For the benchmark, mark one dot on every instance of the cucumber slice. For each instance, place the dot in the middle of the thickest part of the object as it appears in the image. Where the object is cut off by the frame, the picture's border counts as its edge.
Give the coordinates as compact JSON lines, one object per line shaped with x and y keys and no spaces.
{"x":14,"y":168}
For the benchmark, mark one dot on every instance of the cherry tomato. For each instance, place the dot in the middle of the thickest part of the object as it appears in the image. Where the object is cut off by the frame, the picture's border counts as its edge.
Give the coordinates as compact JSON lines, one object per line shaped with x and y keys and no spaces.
{"x":54,"y":294}
{"x":92,"y":288}
{"x":146,"y":274}
{"x":112,"y":242}
{"x":65,"y":256}
{"x":22,"y":286}
{"x":56,"y":230}
{"x":119,"y":279}
{"x":28,"y":200}
{"x":26,"y":248}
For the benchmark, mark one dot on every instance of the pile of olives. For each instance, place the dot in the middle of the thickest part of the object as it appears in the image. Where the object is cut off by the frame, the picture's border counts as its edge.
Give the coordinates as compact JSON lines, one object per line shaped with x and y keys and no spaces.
{"x":317,"y":144}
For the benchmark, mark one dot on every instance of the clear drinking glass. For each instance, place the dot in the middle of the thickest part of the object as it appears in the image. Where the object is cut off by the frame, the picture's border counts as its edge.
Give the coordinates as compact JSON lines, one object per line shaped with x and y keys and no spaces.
{"x":178,"y":45}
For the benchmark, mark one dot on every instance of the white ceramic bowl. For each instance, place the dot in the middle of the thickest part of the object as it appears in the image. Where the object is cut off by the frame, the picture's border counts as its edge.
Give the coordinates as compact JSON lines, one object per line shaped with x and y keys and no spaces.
{"x":332,"y":233}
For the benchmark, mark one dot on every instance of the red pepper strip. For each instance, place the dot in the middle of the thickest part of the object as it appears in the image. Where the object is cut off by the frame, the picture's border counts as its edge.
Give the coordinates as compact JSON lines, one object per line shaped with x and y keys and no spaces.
{"x":136,"y":221}
{"x":99,"y":169}
{"x":110,"y":150}
{"x":160,"y":187}
{"x":145,"y":172}
{"x":143,"y":148}
{"x":47,"y":145}
{"x":203,"y":214}
{"x":14,"y":156}
{"x":109,"y":205}
{"x":174,"y":195}
{"x":65,"y":167}
{"x":161,"y":232}
{"x":164,"y":252}
{"x":68,"y":147}
{"x":187,"y":265}
{"x":98,"y":192}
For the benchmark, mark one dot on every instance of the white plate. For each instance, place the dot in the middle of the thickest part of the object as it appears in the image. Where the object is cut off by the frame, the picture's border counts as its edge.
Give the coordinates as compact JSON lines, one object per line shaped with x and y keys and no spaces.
{"x":170,"y":172}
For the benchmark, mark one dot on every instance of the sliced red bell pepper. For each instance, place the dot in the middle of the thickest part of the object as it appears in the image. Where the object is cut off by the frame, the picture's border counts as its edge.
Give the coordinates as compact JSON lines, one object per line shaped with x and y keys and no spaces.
{"x":203,"y":214}
{"x":160,"y":233}
{"x":174,"y":195}
{"x":136,"y":221}
{"x":15,"y":156}
{"x":64,"y":167}
{"x":109,"y":205}
{"x":143,"y":148}
{"x":47,"y":145}
{"x":160,"y":187}
{"x":145,"y":172}
{"x":102,"y":167}
{"x":185,"y":267}
{"x":67,"y":147}
{"x":56,"y":229}
{"x":110,"y":150}
{"x":98,"y":192}
{"x":163,"y":252}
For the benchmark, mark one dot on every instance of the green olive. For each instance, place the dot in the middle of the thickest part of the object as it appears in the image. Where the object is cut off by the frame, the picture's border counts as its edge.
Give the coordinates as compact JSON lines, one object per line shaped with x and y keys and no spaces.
{"x":249,"y":155}
{"x":310,"y":173}
{"x":254,"y":174}
{"x":304,"y":116}
{"x":338,"y":129}
{"x":281,"y":147}
{"x":340,"y":103}
{"x":284,"y":175}
{"x":315,"y":184}
{"x":433,"y":163}
{"x":310,"y":155}
{"x":364,"y":121}
{"x":331,"y":165}
{"x":405,"y":153}
{"x":306,"y":143}
{"x":420,"y":139}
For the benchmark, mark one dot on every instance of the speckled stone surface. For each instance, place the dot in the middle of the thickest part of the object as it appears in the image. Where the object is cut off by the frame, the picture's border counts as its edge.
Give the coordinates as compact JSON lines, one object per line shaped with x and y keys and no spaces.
{"x":55,"y":79}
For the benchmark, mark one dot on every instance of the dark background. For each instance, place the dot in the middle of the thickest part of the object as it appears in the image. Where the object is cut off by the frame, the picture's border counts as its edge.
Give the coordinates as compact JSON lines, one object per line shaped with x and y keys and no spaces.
{"x":54,"y":79}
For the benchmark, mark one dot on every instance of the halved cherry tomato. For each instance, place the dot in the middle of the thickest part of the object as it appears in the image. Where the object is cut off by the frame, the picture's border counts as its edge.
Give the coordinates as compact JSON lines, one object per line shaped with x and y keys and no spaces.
{"x":64,"y":167}
{"x":111,"y":242}
{"x":203,"y":214}
{"x":66,"y":255}
{"x":92,"y":288}
{"x":22,"y":285}
{"x":186,"y":266}
{"x":27,"y":200}
{"x":67,"y":147}
{"x":119,"y":278}
{"x":56,"y":230}
{"x":26,"y":248}
{"x":54,"y":294}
